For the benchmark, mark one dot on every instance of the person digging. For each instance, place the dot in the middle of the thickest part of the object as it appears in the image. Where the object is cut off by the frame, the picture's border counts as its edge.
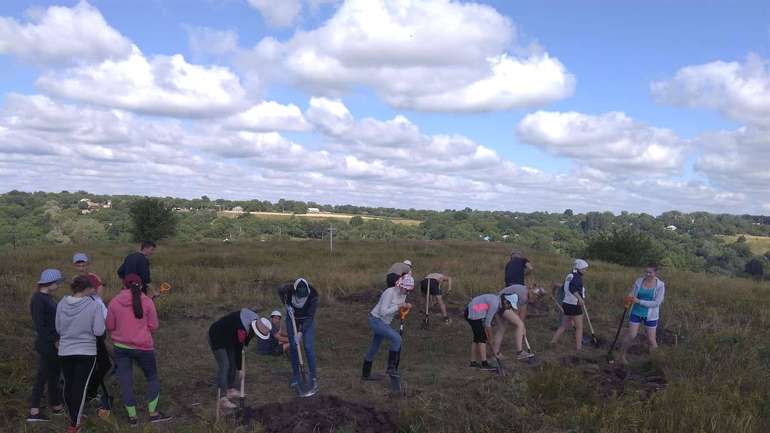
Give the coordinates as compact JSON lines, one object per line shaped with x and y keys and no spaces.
{"x":301,"y":301}
{"x":227,"y":338}
{"x":574,"y":295}
{"x":396,"y":271}
{"x":645,"y":296}
{"x":516,"y":316}
{"x":479,"y":314}
{"x":431,"y":285}
{"x":380,"y":317}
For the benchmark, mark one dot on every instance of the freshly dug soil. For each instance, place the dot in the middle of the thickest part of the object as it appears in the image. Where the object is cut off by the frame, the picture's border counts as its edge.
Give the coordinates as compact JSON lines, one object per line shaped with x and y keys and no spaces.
{"x":616,"y":379}
{"x":320,"y":414}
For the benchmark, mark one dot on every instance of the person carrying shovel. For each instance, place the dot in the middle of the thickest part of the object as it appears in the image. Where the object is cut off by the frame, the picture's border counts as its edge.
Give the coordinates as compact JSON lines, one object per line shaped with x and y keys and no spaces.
{"x":517,"y":317}
{"x":574,"y":294}
{"x":646,"y":297}
{"x":227,"y":338}
{"x":392,"y":300}
{"x":301,"y":301}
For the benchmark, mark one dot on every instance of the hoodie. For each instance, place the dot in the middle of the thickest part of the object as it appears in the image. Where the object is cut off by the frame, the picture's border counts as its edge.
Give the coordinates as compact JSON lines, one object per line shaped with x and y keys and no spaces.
{"x":78,"y":321}
{"x":125,"y":328}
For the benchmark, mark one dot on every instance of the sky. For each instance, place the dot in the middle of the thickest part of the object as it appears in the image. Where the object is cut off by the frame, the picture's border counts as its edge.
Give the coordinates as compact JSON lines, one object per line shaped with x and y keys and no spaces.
{"x":642,"y":106}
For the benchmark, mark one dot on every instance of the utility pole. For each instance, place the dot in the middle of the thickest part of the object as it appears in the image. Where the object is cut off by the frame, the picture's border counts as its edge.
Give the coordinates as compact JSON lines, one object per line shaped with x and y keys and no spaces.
{"x":331,"y":238}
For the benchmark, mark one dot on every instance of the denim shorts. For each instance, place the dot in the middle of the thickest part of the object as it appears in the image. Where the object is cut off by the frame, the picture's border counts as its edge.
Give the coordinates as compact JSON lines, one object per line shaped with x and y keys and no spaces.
{"x":647,"y":323}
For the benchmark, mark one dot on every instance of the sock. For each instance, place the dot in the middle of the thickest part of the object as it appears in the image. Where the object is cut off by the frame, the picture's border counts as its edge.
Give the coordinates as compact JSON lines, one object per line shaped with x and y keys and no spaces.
{"x":152,"y":406}
{"x":131,"y":411}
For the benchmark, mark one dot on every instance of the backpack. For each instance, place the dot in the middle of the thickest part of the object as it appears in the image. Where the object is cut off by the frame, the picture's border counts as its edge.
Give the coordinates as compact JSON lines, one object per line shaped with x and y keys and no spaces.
{"x":558,"y":290}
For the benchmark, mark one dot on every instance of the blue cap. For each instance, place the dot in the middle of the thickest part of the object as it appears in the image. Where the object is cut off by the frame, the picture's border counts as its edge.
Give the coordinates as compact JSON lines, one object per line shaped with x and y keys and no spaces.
{"x":79,"y":257}
{"x":50,"y":276}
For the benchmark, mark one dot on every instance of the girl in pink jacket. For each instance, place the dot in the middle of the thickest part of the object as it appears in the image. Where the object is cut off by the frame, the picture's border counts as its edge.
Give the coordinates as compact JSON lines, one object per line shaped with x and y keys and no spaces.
{"x":131,"y":320}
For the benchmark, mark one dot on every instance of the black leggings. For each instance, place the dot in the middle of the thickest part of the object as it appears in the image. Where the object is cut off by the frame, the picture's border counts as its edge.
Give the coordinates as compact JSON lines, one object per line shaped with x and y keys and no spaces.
{"x":103,"y":366}
{"x":77,"y":370}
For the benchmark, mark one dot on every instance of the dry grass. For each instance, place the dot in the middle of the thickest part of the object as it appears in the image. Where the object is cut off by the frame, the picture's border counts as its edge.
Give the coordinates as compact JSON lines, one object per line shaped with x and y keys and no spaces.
{"x":717,"y":375}
{"x":318,"y":216}
{"x":759,"y":245}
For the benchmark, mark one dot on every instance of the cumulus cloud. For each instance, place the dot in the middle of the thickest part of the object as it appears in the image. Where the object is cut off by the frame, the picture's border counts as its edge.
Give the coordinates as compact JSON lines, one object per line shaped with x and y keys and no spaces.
{"x":740,"y":91}
{"x":432,"y":55}
{"x":161,"y":85}
{"x":62,"y":35}
{"x":277,"y":13}
{"x":206,"y":42}
{"x":737,"y":160}
{"x":610,"y":143}
{"x":269,"y":116}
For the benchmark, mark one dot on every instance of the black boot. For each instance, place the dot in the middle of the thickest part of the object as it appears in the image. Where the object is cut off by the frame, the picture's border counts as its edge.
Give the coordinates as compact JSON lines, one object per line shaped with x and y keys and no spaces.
{"x":366,"y":372}
{"x":393,"y":357}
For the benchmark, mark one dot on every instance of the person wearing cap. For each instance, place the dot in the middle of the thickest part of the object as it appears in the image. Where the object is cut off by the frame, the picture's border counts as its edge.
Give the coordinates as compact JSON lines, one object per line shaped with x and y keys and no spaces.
{"x":139,"y":263}
{"x":131,"y":320}
{"x":574,"y":294}
{"x":278,"y":343}
{"x":480,"y":313}
{"x":391,"y":301}
{"x":81,"y":263}
{"x":396,"y":271}
{"x":42,"y":306}
{"x":227,"y":338}
{"x":79,"y":321}
{"x":432,"y":282}
{"x":301,"y":301}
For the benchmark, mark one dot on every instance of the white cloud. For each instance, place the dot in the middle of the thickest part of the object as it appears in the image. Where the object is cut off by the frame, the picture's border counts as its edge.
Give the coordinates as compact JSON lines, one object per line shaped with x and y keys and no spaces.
{"x":206,"y":42}
{"x":737,"y":160}
{"x":162,"y":85}
{"x":269,"y":116}
{"x":740,"y":91}
{"x":612,"y":143}
{"x":433,"y":55}
{"x":279,"y":13}
{"x":61,"y":35}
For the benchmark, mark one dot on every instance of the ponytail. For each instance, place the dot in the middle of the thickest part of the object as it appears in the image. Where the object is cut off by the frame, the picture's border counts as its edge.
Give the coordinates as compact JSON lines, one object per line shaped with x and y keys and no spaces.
{"x":136,"y":299}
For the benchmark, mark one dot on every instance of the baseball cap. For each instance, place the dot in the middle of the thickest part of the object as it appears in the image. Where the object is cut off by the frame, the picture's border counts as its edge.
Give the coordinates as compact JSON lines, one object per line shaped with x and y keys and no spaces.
{"x":50,"y":276}
{"x":266,"y":323}
{"x":408,"y":262}
{"x":580,"y":264}
{"x":132,"y":279}
{"x":276,"y":313}
{"x":79,"y":257}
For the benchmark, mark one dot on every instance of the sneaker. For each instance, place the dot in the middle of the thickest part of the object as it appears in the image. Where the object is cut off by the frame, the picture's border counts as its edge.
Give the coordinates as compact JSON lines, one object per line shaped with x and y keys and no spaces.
{"x":160,"y":417}
{"x":58,"y":412}
{"x":474,"y":364}
{"x":38,"y":417}
{"x":226,"y":403}
{"x":132,"y":422}
{"x":485,"y":366}
{"x":521,"y":356}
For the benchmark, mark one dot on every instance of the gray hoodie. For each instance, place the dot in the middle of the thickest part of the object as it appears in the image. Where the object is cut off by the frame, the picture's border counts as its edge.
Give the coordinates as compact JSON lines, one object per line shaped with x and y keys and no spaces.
{"x":78,"y":321}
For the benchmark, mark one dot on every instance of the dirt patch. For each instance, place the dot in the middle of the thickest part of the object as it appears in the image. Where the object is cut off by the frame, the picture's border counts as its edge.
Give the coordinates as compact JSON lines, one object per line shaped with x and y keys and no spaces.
{"x":616,"y":380}
{"x":320,"y":414}
{"x":364,"y":297}
{"x":666,"y":337}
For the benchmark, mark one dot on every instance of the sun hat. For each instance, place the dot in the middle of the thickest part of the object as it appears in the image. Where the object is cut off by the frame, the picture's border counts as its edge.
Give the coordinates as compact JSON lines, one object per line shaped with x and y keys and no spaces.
{"x":79,"y":257}
{"x":49,"y":276}
{"x":301,"y":293}
{"x":266,"y":323}
{"x":580,"y":264}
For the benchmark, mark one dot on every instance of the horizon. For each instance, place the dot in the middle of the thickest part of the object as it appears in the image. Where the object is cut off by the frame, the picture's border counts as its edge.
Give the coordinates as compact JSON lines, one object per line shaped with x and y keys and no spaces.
{"x":431,"y":105}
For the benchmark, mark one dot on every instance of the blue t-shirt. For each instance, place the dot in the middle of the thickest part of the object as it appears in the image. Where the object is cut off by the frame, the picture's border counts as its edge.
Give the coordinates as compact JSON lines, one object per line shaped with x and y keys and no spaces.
{"x":644,"y":294}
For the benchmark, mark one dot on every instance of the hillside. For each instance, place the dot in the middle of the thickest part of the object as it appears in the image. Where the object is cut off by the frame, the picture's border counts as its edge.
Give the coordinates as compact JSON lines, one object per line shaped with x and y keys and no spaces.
{"x":708,"y":376}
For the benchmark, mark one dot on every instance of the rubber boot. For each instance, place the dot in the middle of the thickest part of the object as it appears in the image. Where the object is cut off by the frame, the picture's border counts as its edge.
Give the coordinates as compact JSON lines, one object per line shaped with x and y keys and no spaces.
{"x":395,"y":378}
{"x":366,"y":372}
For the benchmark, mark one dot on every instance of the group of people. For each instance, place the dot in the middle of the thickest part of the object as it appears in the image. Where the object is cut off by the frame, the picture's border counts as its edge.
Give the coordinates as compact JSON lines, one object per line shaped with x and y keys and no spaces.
{"x":70,"y":334}
{"x":70,"y":340}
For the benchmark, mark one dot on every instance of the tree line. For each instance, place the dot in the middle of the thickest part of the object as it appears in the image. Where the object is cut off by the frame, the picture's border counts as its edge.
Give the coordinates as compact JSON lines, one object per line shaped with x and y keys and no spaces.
{"x":697,"y":241}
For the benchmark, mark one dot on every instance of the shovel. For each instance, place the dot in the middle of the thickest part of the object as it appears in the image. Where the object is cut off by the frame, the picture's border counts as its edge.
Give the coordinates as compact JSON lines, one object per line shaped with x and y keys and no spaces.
{"x":501,"y":371}
{"x":594,"y":339}
{"x":610,"y":353}
{"x":425,"y":322}
{"x":305,"y":386}
{"x":242,"y":402}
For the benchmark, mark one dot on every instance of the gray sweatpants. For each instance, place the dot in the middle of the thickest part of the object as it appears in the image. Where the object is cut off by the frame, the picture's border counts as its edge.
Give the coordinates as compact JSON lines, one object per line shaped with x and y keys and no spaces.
{"x":225,"y":369}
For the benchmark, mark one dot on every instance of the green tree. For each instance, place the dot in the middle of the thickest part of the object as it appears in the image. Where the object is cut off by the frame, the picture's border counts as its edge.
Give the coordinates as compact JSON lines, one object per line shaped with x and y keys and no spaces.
{"x":625,"y":247}
{"x":152,"y":220}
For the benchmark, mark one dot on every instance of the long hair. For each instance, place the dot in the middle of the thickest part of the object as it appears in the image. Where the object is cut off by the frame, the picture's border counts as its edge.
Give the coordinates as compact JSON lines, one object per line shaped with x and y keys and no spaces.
{"x":136,"y":299}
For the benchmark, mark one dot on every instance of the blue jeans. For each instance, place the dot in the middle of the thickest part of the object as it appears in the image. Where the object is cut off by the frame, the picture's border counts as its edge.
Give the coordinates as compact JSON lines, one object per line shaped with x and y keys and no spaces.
{"x":308,"y":338}
{"x":381,"y":331}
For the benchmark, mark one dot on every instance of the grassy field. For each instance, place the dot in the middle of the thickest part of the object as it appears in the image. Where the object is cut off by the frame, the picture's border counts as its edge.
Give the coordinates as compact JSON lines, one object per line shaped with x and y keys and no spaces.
{"x":759,"y":245}
{"x":714,"y":379}
{"x":321,"y":216}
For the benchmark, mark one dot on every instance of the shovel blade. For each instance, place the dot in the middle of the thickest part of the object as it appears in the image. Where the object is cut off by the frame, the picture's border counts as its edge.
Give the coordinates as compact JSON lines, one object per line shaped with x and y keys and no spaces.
{"x":306,"y":387}
{"x":395,"y":384}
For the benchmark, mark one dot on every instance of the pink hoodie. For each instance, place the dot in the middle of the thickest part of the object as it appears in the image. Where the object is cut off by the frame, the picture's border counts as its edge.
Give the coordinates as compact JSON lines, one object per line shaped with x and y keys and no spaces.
{"x":126,"y":329}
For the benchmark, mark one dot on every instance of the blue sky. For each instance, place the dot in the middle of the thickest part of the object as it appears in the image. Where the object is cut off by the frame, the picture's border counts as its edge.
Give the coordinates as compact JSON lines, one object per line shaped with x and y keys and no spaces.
{"x":594,"y":105}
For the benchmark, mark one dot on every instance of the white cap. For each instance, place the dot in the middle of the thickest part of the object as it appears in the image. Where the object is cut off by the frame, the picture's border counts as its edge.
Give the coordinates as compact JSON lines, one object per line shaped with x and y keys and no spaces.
{"x":408,"y":262}
{"x":266,"y":323}
{"x":276,"y":313}
{"x":580,"y":264}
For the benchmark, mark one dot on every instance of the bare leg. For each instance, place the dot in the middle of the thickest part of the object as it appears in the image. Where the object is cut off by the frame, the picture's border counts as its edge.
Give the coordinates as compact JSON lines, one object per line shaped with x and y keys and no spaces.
{"x":651,"y":334}
{"x":441,"y":305}
{"x":578,"y":321}
{"x":483,"y":352}
{"x":633,"y":331}
{"x":497,"y":337}
{"x":562,"y":328}
{"x":519,"y":324}
{"x":473,"y":352}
